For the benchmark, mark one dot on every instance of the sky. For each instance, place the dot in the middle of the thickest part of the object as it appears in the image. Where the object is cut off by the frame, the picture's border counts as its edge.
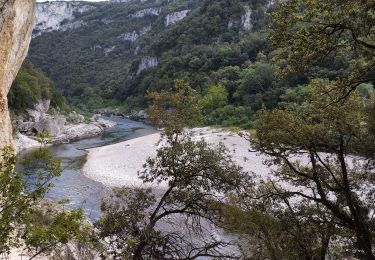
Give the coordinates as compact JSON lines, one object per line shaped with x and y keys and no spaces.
{"x":72,"y":0}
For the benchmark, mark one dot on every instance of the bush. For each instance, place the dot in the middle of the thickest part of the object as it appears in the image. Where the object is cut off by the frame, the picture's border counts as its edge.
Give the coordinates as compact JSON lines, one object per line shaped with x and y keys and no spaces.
{"x":231,"y":115}
{"x":31,"y":86}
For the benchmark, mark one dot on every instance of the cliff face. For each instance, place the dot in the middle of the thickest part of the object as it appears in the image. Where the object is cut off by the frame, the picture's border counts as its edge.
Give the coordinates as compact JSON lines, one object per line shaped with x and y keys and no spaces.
{"x":16,"y":25}
{"x":59,"y":16}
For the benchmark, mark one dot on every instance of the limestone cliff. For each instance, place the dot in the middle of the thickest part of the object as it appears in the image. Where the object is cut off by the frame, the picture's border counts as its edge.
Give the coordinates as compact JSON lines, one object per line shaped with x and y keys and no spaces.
{"x":16,"y":25}
{"x":59,"y":16}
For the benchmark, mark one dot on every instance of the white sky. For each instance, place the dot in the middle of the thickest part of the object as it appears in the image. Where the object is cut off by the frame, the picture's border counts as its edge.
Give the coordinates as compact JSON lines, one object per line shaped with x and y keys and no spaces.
{"x":72,"y":0}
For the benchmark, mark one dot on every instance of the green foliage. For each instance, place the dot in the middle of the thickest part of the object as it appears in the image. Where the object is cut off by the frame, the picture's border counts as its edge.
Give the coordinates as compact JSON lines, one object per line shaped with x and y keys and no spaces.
{"x":44,"y":138}
{"x":175,"y":110}
{"x":15,"y":204}
{"x":48,"y":230}
{"x":133,"y":103}
{"x":25,"y":222}
{"x":366,"y":90}
{"x":216,"y":97}
{"x":218,"y":113}
{"x":32,"y":86}
{"x":231,"y":116}
{"x":340,"y":129}
{"x":254,"y":80}
{"x":319,"y":142}
{"x":18,"y":200}
{"x":201,"y":50}
{"x":194,"y":174}
{"x":311,"y":34}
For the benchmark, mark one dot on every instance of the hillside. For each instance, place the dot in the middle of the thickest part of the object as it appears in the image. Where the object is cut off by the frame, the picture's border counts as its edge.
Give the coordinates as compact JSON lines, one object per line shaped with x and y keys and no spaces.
{"x":109,"y":54}
{"x":30,"y":87}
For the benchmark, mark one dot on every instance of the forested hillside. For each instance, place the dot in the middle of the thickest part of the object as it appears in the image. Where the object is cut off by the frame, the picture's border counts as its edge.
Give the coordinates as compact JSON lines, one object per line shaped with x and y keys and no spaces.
{"x":298,"y":185}
{"x":95,"y":60}
{"x":30,"y":87}
{"x":121,"y":50}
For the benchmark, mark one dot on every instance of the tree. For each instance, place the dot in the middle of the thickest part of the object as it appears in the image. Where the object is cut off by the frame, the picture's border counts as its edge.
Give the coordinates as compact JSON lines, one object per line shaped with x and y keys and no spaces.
{"x":272,"y":232}
{"x":32,"y":86}
{"x":24,"y":223}
{"x":314,"y":149}
{"x":175,"y":110}
{"x":217,"y":97}
{"x":174,"y":220}
{"x":49,"y":229}
{"x":254,"y":81}
{"x":309,"y":33}
{"x":322,"y":149}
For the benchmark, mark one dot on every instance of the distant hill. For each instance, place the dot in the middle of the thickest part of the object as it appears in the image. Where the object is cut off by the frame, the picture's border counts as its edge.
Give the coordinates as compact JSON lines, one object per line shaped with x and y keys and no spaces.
{"x":108,"y":54}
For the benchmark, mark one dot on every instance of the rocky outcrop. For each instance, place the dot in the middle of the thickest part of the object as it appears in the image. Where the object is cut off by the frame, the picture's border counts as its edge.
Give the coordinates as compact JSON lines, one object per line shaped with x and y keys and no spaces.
{"x":245,"y":23}
{"x":16,"y":24}
{"x":246,"y":19}
{"x":138,"y":116}
{"x":175,"y":17}
{"x":66,"y":133}
{"x":52,"y":16}
{"x":61,"y":128}
{"x":24,"y":142}
{"x":134,"y":35}
{"x":147,"y":63}
{"x":75,"y":118}
{"x":148,"y":11}
{"x":109,"y":50}
{"x":38,"y":120}
{"x":131,"y":36}
{"x":95,"y":126}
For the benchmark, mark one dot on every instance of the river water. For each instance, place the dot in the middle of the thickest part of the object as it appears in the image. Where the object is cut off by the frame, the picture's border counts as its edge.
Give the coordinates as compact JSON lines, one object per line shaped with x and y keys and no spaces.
{"x":87,"y":194}
{"x":81,"y":191}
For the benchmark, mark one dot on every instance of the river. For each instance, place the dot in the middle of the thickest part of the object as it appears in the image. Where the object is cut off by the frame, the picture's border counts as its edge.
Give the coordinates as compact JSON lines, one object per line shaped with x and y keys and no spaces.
{"x":73,"y":185}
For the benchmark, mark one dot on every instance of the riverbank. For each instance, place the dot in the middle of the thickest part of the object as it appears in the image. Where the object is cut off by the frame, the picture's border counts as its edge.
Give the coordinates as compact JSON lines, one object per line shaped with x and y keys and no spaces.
{"x":117,"y":165}
{"x":82,"y":191}
{"x":66,"y":133}
{"x":62,"y":127}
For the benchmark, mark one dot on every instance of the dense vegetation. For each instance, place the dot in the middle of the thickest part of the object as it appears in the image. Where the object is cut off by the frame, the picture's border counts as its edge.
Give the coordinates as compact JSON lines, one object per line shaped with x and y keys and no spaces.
{"x":32,"y":86}
{"x":316,"y":203}
{"x":321,"y":200}
{"x":29,"y":223}
{"x":95,"y":72}
{"x":210,"y":47}
{"x":148,"y":225}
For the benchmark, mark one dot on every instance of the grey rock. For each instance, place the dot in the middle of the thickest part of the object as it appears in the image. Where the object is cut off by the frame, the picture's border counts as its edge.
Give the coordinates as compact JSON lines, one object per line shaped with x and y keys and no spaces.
{"x":51,"y":15}
{"x":146,"y":63}
{"x":175,"y":17}
{"x":54,"y":125}
{"x":16,"y":24}
{"x":246,"y":20}
{"x":75,"y":118}
{"x":39,"y":110}
{"x":148,"y":11}
{"x":139,"y":115}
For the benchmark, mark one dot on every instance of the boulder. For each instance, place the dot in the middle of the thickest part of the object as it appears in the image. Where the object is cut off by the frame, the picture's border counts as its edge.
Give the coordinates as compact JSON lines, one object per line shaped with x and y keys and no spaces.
{"x":54,"y":125}
{"x":39,"y":110}
{"x":24,"y":142}
{"x":139,"y":115}
{"x":75,"y":118}
{"x":104,"y":123}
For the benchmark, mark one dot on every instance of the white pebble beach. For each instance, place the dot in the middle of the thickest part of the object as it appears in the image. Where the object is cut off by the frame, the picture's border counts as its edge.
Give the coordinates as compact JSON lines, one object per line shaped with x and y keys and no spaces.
{"x":117,"y":165}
